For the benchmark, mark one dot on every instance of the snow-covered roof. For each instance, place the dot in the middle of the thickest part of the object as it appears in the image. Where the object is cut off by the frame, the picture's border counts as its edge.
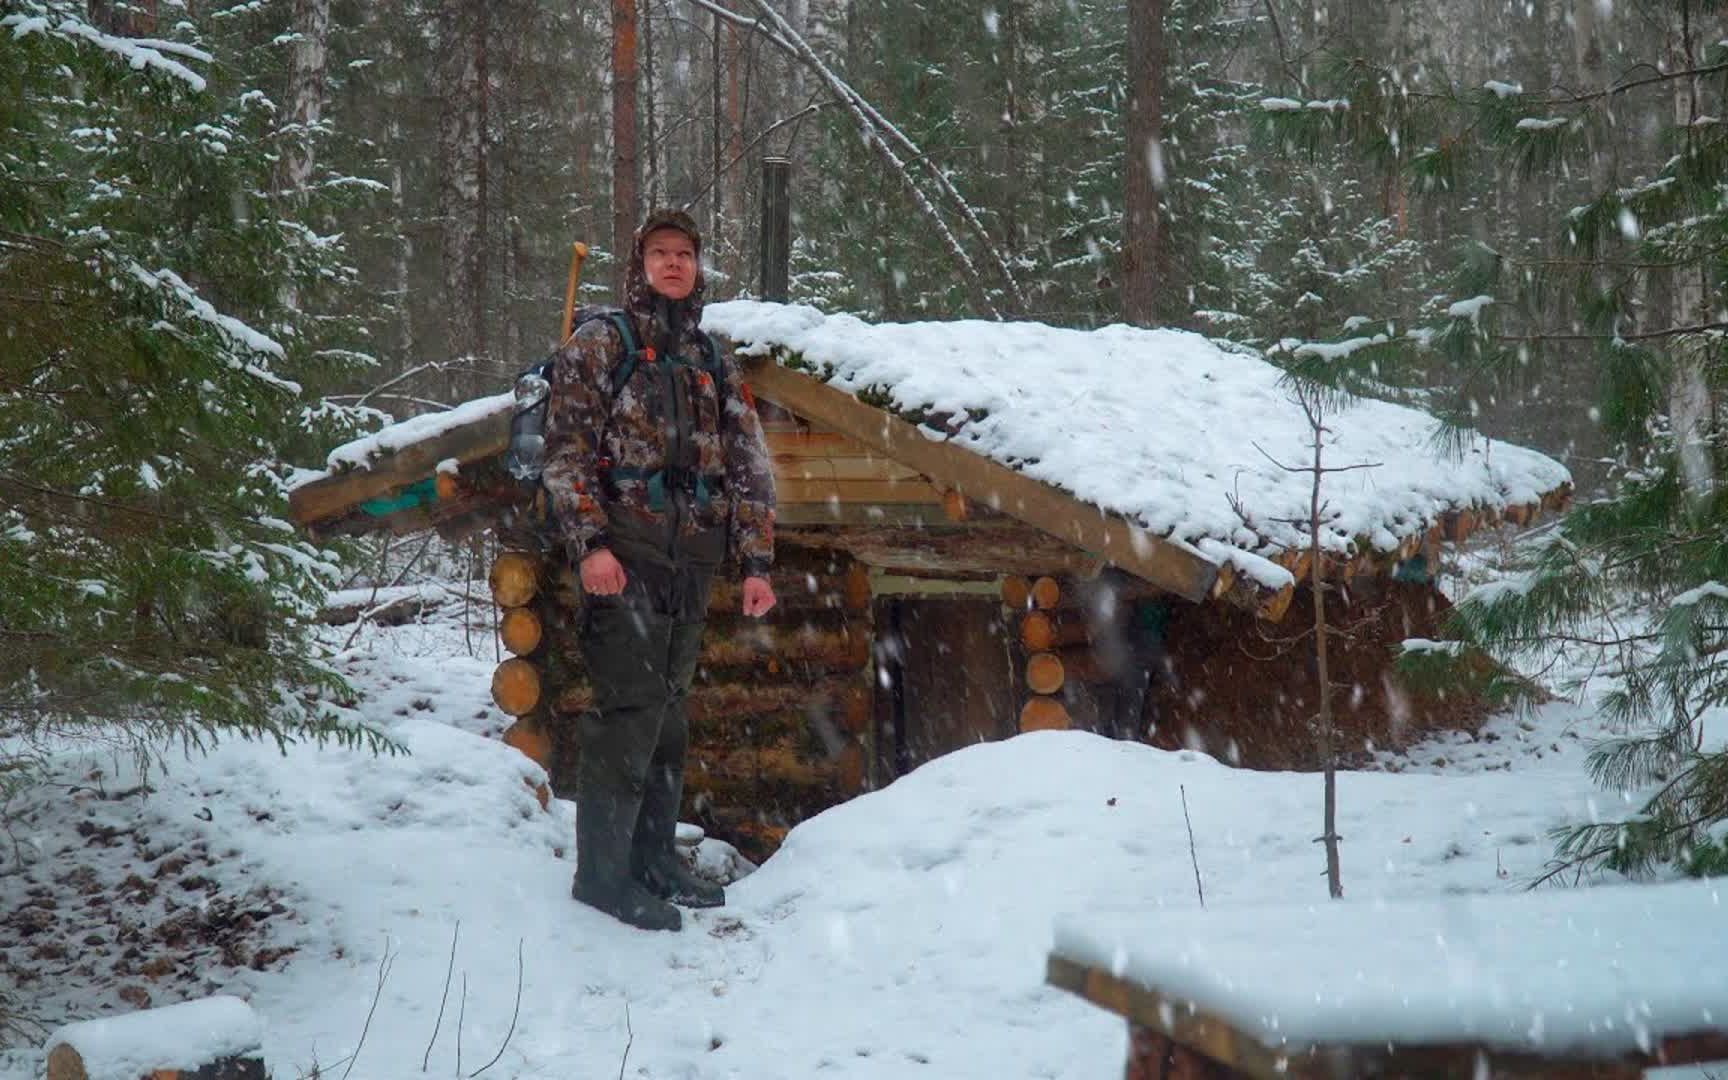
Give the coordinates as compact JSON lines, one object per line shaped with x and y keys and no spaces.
{"x":1602,"y":971}
{"x":362,"y":452}
{"x":1162,"y":426}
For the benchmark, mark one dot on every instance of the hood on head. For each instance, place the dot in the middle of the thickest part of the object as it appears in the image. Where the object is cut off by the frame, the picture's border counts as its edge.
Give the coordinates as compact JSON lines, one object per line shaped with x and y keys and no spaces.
{"x":637,"y":294}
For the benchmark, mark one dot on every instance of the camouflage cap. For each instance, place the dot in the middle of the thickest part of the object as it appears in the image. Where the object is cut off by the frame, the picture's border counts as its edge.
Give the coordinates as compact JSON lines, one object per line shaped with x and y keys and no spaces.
{"x":669,"y":218}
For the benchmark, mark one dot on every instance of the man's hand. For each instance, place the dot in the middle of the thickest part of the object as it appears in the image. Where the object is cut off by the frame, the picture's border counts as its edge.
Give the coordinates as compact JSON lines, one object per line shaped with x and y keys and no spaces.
{"x":603,"y":574}
{"x":758,"y":596}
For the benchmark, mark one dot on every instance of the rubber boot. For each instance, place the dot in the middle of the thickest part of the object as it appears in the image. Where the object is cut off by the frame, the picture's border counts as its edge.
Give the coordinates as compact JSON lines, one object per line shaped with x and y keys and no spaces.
{"x":626,"y":651}
{"x":653,"y":859}
{"x":603,"y":880}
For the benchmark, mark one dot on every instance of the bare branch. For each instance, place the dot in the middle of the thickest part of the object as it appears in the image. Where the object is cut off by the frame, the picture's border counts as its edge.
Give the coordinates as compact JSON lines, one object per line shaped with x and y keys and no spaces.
{"x":384,"y":965}
{"x":514,"y":1015}
{"x":449,"y":970}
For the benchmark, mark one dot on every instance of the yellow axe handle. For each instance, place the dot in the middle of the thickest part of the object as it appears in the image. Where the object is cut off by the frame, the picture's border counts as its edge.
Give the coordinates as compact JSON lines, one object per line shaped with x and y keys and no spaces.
{"x":578,"y":252}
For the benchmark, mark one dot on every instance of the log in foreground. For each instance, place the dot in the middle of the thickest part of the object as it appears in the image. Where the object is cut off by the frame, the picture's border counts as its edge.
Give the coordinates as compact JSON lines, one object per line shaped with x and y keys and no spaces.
{"x":1046,"y":593}
{"x":520,"y":630}
{"x":1044,"y":714}
{"x":1041,"y":631}
{"x":213,"y":1038}
{"x":514,"y":579}
{"x":516,"y":686}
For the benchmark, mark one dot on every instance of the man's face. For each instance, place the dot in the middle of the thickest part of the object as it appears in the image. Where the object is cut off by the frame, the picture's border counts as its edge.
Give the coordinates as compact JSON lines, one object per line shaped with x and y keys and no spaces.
{"x":669,"y":261}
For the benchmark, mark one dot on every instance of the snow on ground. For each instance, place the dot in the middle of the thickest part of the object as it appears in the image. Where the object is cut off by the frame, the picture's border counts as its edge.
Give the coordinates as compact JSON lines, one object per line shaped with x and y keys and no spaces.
{"x":901,"y":934}
{"x":1018,"y":388}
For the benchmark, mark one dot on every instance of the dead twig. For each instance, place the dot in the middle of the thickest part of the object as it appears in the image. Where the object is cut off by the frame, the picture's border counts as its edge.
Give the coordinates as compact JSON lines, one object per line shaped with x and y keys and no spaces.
{"x":461,"y":1014}
{"x":629,"y":1042}
{"x":1195,"y":858}
{"x":449,"y":970}
{"x":384,"y":965}
{"x":515,"y":1014}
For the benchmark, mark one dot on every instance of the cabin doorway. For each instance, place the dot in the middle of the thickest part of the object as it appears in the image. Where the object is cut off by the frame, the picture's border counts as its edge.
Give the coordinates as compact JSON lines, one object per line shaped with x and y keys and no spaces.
{"x":944,"y":677}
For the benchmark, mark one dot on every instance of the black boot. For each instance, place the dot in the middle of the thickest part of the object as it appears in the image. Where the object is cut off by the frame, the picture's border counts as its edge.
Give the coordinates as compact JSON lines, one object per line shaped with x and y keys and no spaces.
{"x":617,"y":742}
{"x":603,"y":884}
{"x":671,"y":880}
{"x":653,"y":862}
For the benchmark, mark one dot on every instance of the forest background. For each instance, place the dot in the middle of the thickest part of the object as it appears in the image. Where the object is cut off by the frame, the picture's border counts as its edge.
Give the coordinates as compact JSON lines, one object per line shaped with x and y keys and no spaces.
{"x":471,"y":141}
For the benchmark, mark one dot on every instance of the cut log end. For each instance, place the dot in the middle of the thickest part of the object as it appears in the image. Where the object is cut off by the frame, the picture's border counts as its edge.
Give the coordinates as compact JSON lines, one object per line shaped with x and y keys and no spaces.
{"x":1016,"y":592}
{"x":1275,"y":605}
{"x":516,"y":686}
{"x":1044,"y":714}
{"x":1041,"y":631}
{"x":1044,"y":673}
{"x":1046,"y":593}
{"x":532,"y":740}
{"x":515,"y":578}
{"x":520,"y":630}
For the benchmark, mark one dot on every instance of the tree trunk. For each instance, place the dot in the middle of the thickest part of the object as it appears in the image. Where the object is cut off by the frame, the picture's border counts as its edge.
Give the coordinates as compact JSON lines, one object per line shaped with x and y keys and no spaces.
{"x":305,"y":91}
{"x":402,"y":250}
{"x":138,"y":20}
{"x":624,"y":208}
{"x":734,"y":216}
{"x":717,"y":130}
{"x":650,"y":106}
{"x":461,"y":180}
{"x":1690,"y":408}
{"x":1145,"y":258}
{"x":1008,"y":64}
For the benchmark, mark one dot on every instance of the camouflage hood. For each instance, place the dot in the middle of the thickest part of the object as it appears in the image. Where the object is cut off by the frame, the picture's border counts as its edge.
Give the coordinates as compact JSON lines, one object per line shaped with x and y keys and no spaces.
{"x":638,"y":296}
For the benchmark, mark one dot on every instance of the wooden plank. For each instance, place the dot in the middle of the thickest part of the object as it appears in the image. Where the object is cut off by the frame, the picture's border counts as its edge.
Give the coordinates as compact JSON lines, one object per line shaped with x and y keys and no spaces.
{"x":486,"y":437}
{"x":860,"y":515}
{"x":841,"y":468}
{"x":984,"y":481}
{"x":864,"y":492}
{"x":1221,"y":1041}
{"x":1177,"y":1019}
{"x":804,"y":442}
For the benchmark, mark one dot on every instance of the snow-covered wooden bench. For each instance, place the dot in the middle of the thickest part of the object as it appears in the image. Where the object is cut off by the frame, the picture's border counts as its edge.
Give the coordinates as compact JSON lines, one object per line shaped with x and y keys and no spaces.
{"x":214,"y":1038}
{"x":1602,"y":982}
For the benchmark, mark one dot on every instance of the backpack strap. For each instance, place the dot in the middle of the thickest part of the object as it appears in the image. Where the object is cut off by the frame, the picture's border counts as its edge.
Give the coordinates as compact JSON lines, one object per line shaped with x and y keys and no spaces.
{"x":632,"y":350}
{"x":712,"y":365}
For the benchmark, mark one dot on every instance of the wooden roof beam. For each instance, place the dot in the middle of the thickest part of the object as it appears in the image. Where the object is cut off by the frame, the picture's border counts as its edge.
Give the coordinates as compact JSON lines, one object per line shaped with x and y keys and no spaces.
{"x":951,"y":467}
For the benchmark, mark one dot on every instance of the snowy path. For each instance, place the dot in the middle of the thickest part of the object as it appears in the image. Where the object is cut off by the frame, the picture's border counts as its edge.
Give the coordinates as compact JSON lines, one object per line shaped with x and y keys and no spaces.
{"x":901,"y":934}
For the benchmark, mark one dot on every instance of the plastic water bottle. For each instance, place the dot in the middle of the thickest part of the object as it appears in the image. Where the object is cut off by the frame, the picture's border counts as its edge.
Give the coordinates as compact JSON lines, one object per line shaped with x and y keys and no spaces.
{"x":527,"y":453}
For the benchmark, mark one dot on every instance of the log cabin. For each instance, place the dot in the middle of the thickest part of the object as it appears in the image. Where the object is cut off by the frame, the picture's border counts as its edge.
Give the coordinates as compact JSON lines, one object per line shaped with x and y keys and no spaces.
{"x":989,"y":528}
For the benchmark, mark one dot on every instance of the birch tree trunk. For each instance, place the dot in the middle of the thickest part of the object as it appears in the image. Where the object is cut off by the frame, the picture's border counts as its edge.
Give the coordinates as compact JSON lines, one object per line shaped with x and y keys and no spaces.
{"x":1145,"y":258}
{"x":461,"y":178}
{"x":624,"y":208}
{"x":306,"y":81}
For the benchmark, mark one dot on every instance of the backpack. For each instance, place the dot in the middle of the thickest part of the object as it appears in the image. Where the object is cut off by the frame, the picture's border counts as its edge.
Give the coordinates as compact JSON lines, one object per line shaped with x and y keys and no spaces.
{"x":526,"y":456}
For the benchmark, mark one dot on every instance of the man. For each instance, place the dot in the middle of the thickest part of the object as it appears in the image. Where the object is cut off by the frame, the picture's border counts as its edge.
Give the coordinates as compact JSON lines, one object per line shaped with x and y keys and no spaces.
{"x":653,"y":484}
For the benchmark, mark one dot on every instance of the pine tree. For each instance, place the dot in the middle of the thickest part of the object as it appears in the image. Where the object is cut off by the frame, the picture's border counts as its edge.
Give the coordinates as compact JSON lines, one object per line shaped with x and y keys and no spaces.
{"x":151,"y":385}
